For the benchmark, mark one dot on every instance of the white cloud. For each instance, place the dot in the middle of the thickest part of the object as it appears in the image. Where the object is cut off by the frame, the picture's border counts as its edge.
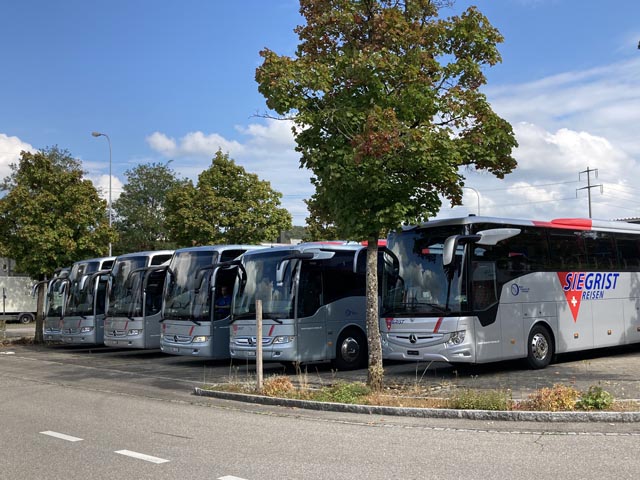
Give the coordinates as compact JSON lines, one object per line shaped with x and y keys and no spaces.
{"x":565,"y":124}
{"x":10,"y":148}
{"x":101,"y":182}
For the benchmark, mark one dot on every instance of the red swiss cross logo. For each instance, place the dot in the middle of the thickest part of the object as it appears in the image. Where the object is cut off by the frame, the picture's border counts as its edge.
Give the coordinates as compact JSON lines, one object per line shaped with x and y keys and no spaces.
{"x":573,"y":296}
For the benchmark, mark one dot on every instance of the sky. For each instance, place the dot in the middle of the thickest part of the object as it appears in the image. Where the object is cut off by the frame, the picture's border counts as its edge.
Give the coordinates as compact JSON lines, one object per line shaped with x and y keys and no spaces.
{"x":174,"y":81}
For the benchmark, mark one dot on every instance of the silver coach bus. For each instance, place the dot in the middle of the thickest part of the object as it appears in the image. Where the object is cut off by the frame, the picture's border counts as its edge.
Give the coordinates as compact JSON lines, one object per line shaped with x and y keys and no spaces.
{"x":55,"y":304}
{"x":314,"y":304}
{"x":484,"y":289}
{"x":196,"y":301}
{"x":135,"y":286}
{"x":83,"y":320}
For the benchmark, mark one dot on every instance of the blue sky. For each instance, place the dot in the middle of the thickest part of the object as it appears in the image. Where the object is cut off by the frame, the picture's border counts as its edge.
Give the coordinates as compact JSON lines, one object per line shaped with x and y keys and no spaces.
{"x":175,"y":81}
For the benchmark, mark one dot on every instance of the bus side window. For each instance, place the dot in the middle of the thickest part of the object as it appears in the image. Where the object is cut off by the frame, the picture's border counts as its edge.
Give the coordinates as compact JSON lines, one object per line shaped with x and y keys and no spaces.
{"x":310,"y":297}
{"x":483,"y":285}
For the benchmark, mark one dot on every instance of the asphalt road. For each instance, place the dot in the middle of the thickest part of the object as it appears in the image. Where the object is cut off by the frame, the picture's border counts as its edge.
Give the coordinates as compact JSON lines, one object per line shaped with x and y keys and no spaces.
{"x":617,"y":370}
{"x":95,"y":397}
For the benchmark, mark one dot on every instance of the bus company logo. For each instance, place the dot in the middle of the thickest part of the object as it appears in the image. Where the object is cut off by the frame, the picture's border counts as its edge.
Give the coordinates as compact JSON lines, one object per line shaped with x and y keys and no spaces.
{"x":393,"y":321}
{"x":578,"y":286}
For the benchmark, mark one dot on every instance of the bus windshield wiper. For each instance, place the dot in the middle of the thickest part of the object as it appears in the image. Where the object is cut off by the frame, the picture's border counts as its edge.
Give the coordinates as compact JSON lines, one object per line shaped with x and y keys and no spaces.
{"x":273,"y":316}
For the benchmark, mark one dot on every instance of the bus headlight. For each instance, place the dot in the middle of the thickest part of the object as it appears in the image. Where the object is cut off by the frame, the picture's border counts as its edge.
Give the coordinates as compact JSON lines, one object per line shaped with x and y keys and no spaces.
{"x":456,"y":338}
{"x":200,"y":339}
{"x":86,"y":329}
{"x":284,"y":339}
{"x":135,"y":331}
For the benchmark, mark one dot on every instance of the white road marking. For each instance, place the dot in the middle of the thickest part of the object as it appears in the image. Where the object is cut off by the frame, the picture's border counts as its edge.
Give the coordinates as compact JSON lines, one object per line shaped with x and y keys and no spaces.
{"x":61,"y":436}
{"x":141,"y":456}
{"x":230,"y":477}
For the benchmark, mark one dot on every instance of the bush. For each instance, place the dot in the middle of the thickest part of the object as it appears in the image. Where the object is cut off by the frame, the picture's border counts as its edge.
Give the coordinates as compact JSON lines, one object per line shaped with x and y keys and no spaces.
{"x":277,"y":386}
{"x":557,"y":398}
{"x":469,"y":399}
{"x":595,"y":399}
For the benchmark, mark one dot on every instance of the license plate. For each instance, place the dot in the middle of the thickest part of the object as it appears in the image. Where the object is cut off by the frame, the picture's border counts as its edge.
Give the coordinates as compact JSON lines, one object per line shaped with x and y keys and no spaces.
{"x":413,"y":352}
{"x":175,"y":349}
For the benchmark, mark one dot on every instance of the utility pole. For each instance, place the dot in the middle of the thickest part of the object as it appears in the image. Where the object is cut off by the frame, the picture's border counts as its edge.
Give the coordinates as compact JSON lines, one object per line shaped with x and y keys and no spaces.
{"x":588,"y":171}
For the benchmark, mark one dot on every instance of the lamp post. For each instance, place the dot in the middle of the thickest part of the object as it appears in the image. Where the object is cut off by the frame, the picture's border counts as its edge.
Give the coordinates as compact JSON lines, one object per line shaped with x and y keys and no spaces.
{"x":478,"y":194}
{"x":98,"y":134}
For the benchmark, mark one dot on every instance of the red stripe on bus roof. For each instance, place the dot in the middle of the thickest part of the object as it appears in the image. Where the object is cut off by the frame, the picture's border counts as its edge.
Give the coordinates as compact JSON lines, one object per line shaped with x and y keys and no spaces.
{"x":579,"y":223}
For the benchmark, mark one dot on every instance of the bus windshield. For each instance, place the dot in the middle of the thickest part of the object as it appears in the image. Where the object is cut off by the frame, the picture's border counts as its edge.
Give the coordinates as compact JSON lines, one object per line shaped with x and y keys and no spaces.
{"x":125,"y":295}
{"x":186,"y":277}
{"x":423,"y":286}
{"x":261,"y":284}
{"x":56,"y":297}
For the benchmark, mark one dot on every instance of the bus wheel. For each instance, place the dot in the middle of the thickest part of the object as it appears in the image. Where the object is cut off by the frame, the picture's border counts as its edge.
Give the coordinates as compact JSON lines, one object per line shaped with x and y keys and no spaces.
{"x":351,"y":350}
{"x":25,"y":318}
{"x":540,"y":347}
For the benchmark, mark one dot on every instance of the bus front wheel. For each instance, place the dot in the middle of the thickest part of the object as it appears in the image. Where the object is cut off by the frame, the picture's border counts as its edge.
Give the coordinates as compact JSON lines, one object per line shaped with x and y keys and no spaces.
{"x":351,"y":350}
{"x":540,"y":347}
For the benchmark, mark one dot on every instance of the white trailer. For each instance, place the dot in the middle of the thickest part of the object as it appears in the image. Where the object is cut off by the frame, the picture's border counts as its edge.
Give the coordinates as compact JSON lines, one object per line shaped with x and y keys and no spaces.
{"x":17,"y":302}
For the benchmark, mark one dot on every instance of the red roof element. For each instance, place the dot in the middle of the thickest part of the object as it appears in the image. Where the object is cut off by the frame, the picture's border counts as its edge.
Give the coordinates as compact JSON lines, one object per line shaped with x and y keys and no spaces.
{"x":577,"y":223}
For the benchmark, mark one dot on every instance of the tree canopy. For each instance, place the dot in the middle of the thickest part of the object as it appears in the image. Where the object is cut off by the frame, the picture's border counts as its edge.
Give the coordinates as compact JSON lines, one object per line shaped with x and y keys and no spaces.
{"x":227,"y":205}
{"x":386,"y":100}
{"x":140,"y":209}
{"x":51,"y":216}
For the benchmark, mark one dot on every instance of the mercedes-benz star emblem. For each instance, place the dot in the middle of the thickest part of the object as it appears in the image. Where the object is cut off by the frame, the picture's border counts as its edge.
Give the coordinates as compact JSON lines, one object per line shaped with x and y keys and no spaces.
{"x":413,"y":338}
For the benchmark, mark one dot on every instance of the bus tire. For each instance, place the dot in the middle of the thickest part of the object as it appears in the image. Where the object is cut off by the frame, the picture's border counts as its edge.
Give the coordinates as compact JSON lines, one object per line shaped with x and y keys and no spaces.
{"x":25,"y":318}
{"x":351,"y":350}
{"x":540,"y":347}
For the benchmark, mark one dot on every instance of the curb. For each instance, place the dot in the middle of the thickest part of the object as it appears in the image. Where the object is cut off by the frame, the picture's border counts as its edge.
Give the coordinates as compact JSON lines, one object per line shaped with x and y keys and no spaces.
{"x":513,"y":416}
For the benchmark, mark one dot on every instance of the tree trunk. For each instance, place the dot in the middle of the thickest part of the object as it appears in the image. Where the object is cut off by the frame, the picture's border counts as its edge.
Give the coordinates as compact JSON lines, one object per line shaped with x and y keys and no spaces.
{"x":376,"y":371}
{"x":39,"y":336}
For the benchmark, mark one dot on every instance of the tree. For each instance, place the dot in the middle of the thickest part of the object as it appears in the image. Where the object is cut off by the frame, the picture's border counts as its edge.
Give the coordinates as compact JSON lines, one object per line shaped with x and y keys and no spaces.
{"x":386,"y":100}
{"x":141,"y":215}
{"x":51,"y":217}
{"x":319,"y":227}
{"x":228,"y":205}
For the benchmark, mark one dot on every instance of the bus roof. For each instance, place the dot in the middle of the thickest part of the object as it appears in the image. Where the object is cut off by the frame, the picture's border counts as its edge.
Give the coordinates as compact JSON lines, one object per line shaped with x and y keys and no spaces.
{"x":560,"y":223}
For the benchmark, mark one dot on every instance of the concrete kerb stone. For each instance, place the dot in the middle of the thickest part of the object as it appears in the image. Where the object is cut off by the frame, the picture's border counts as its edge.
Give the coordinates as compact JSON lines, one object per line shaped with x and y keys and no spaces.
{"x":487,"y":415}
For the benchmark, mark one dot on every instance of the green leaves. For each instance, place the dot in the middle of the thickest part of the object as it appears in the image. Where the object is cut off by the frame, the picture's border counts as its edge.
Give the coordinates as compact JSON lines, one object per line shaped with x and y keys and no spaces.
{"x":228,"y":205}
{"x":390,"y":98}
{"x":51,"y":216}
{"x":141,"y":210}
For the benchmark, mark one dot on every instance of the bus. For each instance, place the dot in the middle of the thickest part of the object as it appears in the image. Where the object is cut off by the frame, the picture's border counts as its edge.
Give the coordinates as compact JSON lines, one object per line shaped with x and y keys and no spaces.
{"x":483,"y":289}
{"x":134,"y":293}
{"x":83,"y":320}
{"x":55,"y":303}
{"x":195,"y":307}
{"x":314,"y":304}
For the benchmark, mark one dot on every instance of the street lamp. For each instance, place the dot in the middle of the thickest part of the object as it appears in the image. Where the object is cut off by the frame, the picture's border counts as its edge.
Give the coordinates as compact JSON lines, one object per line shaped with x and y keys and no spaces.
{"x":98,"y":134}
{"x":478,"y":194}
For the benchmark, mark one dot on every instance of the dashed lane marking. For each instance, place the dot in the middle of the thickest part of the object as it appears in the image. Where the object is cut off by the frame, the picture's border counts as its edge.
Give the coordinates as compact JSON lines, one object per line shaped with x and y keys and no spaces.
{"x":61,"y":436}
{"x":141,"y":456}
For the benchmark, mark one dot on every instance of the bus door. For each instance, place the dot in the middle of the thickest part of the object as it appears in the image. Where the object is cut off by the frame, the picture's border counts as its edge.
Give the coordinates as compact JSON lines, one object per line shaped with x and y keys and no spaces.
{"x":153,"y":287}
{"x":99,"y":304}
{"x":222,"y":280}
{"x":311,"y":313}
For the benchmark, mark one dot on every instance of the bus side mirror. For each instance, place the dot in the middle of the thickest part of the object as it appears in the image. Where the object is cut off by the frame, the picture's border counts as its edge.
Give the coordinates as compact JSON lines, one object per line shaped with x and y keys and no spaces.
{"x":451,"y":244}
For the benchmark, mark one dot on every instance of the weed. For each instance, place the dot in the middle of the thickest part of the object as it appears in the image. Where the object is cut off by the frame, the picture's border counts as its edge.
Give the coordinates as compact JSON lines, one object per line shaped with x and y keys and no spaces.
{"x":557,"y":398}
{"x":595,"y":399}
{"x":343,"y":393}
{"x":278,"y":386}
{"x":471,"y":399}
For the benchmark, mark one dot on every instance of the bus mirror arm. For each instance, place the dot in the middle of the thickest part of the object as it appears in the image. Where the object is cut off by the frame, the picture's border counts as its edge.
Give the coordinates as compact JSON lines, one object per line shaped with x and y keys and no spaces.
{"x":451,"y":244}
